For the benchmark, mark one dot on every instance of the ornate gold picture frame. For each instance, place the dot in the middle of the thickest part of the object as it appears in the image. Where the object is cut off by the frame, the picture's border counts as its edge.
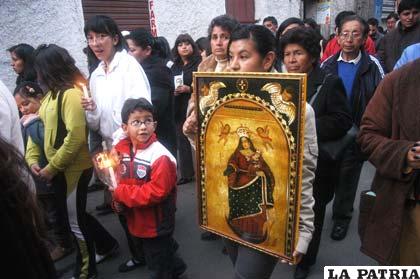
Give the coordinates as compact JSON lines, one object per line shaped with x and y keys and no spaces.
{"x":249,"y":157}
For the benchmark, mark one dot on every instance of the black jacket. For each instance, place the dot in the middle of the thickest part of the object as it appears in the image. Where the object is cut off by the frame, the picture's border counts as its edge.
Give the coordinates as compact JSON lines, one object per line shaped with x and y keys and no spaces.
{"x":332,"y":111}
{"x":393,"y":44}
{"x":162,"y":88}
{"x":367,"y":78}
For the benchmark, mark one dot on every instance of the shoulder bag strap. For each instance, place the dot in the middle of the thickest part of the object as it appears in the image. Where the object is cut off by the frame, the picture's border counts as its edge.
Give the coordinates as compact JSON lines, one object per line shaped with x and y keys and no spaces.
{"x":318,"y":89}
{"x":61,"y":127}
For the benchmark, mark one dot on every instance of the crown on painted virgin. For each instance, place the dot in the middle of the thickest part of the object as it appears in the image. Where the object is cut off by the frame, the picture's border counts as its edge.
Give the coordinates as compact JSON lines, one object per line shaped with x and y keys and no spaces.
{"x":242,"y":132}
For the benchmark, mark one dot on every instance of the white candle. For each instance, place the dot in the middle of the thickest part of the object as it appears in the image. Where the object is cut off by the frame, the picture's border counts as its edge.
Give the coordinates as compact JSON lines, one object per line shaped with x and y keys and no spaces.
{"x":113,"y":180}
{"x":110,"y":169}
{"x":85,"y":91}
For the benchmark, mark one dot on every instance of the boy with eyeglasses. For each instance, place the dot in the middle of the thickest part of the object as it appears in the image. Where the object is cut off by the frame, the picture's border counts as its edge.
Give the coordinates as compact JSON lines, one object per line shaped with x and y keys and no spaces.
{"x":146,"y":193}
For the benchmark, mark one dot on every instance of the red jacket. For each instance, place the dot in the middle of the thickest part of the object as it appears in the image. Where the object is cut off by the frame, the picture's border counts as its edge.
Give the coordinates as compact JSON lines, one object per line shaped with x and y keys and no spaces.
{"x":333,"y":47}
{"x":147,"y":188}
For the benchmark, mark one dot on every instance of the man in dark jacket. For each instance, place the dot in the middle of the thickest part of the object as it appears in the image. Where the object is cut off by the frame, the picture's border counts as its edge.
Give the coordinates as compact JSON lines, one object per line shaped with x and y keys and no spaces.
{"x":361,"y":74}
{"x":406,"y":33}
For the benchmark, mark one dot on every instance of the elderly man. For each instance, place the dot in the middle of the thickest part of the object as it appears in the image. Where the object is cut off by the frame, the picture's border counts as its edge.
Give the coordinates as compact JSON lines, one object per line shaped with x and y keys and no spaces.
{"x":361,"y":74}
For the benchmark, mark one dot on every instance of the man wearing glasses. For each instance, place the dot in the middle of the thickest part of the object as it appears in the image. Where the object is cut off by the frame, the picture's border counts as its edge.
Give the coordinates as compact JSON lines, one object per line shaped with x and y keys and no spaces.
{"x":361,"y":74}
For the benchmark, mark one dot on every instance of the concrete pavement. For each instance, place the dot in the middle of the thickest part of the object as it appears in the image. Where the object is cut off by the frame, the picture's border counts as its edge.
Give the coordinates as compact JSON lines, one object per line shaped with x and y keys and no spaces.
{"x":205,"y":260}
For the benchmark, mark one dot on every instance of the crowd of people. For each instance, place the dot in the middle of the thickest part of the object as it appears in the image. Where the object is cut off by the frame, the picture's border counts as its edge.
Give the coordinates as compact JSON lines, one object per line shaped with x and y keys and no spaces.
{"x":362,"y":86}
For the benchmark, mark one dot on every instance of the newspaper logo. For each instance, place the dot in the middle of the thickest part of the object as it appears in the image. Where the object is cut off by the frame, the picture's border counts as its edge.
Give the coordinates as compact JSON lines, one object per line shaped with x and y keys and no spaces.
{"x":371,"y":272}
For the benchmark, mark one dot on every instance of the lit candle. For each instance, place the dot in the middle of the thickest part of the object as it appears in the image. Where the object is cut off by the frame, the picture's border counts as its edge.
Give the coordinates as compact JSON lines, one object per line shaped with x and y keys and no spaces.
{"x":108,"y":164}
{"x":85,"y":91}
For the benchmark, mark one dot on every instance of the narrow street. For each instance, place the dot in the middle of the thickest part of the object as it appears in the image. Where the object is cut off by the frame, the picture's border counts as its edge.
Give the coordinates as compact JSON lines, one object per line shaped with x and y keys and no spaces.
{"x":205,"y":260}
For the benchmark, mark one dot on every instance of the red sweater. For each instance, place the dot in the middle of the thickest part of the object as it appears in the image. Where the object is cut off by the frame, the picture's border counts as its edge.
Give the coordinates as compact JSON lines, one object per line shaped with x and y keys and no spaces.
{"x":147,"y":187}
{"x":333,"y":47}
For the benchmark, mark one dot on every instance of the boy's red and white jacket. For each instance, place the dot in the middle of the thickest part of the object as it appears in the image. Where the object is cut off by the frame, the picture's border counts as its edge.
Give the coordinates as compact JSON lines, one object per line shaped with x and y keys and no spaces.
{"x":147,"y":188}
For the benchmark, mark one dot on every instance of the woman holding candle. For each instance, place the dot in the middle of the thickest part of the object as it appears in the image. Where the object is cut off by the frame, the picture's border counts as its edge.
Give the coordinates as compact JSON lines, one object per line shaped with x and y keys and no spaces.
{"x":117,"y":78}
{"x":69,"y":167}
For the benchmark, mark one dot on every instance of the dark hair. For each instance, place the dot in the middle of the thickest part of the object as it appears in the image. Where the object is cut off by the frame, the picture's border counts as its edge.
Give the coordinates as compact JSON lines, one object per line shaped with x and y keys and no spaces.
{"x":24,"y":52}
{"x":225,"y":22}
{"x":184,"y":38}
{"x":408,"y":5}
{"x":28,"y":89}
{"x":105,"y":25}
{"x":315,"y":26}
{"x":142,"y":38}
{"x":305,"y":37}
{"x":373,"y":21}
{"x":393,"y":15}
{"x":22,"y":224}
{"x":262,"y":37}
{"x":203,"y":44}
{"x":287,"y":23}
{"x":164,"y":50}
{"x":132,"y":105}
{"x":362,"y":22}
{"x":341,"y":15}
{"x":312,"y":23}
{"x":56,"y":69}
{"x":272,"y":19}
{"x":92,"y":60}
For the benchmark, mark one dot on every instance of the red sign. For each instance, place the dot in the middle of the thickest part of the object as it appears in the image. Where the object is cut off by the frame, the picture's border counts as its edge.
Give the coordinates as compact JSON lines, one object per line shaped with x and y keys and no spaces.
{"x":153,"y":28}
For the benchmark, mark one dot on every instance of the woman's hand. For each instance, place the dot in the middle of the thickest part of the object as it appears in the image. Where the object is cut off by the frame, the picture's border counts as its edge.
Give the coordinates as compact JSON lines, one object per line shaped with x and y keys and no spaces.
{"x":88,"y":104}
{"x":298,"y":257}
{"x":413,"y":157}
{"x":119,"y":207}
{"x":190,"y":127}
{"x":182,"y":89}
{"x":46,"y":175}
{"x":35,"y":169}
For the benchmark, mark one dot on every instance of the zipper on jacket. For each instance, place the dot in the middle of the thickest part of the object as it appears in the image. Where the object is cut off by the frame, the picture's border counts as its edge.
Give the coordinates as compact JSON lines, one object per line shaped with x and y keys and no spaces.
{"x":131,"y":161}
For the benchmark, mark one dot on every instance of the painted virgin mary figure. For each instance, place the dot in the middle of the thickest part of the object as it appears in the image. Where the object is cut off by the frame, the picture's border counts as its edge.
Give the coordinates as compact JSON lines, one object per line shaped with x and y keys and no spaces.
{"x":250,"y":192}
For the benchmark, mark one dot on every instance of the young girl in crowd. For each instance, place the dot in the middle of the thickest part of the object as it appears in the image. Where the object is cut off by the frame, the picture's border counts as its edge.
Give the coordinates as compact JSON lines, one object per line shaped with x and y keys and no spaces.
{"x":186,"y":60}
{"x":21,"y":56}
{"x":69,"y":167}
{"x":28,"y":96}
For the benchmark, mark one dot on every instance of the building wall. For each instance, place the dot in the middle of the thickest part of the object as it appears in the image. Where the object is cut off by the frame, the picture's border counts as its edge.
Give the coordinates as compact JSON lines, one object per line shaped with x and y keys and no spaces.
{"x":37,"y":22}
{"x":174,"y":17}
{"x":280,"y":9}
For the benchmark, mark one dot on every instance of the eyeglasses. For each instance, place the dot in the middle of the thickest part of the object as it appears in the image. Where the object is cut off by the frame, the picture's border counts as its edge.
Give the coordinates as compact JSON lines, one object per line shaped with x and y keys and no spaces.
{"x":137,"y":123}
{"x":97,"y":38}
{"x":352,"y":35}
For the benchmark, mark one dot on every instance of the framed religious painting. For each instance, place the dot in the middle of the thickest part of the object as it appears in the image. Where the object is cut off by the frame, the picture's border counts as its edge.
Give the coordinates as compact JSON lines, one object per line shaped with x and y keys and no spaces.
{"x":249,"y":157}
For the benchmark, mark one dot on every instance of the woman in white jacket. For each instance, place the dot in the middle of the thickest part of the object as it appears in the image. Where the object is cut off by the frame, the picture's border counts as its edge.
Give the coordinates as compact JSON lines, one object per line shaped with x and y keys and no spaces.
{"x":117,"y":78}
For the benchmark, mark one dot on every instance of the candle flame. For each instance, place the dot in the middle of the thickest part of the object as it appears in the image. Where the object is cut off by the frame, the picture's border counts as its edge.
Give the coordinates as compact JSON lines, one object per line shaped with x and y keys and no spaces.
{"x":103,"y":161}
